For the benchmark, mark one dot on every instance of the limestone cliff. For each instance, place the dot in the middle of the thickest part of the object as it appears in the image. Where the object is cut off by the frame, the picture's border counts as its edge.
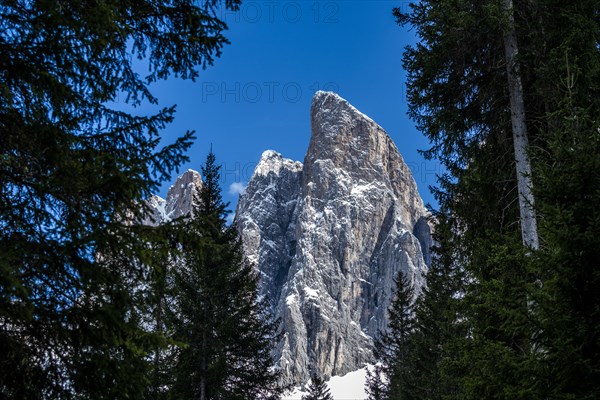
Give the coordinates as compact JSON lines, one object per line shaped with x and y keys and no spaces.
{"x":328,"y":237}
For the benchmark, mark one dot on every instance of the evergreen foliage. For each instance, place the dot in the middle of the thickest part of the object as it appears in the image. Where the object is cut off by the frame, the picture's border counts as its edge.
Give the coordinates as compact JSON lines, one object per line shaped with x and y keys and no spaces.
{"x":439,"y":330}
{"x":317,"y":390}
{"x":393,"y":347}
{"x":376,"y":384}
{"x":567,"y":297}
{"x":227,"y":331}
{"x":158,"y":306}
{"x":73,"y":171}
{"x":499,"y":321}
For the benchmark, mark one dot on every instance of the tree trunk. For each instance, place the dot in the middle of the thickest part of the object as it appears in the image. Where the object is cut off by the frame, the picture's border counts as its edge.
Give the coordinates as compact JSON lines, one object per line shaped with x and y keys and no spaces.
{"x":529,"y":231}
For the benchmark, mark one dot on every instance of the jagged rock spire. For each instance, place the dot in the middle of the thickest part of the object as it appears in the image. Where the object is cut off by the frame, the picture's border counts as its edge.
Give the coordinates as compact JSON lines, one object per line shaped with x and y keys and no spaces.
{"x":328,"y":236}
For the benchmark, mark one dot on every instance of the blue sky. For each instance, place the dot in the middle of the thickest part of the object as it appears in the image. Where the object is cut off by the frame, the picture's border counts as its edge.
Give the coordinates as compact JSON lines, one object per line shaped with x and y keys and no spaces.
{"x":257,"y":95}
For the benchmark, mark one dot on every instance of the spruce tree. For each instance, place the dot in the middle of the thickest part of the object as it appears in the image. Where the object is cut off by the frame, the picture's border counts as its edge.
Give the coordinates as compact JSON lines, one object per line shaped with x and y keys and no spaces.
{"x":439,"y":331}
{"x":226,"y":330}
{"x":459,"y":97}
{"x":317,"y":390}
{"x":376,"y":385}
{"x":393,"y":347}
{"x":521,"y":312}
{"x":157,"y":310}
{"x":567,"y":298}
{"x":73,"y":171}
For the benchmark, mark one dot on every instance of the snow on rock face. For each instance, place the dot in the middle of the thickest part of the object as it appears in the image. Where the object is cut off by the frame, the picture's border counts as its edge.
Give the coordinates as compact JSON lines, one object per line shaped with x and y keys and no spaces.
{"x":178,"y":202}
{"x":264,"y":217}
{"x":328,"y":237}
{"x":273,"y":162}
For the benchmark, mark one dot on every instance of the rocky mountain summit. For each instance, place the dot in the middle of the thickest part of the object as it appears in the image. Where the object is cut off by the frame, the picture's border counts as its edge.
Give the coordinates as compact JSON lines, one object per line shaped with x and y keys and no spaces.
{"x":178,"y":202}
{"x":329,"y":235}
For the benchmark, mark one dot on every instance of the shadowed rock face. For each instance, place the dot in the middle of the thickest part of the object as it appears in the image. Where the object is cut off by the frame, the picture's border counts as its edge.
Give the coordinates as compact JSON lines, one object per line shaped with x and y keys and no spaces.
{"x":328,"y":237}
{"x":266,"y":220}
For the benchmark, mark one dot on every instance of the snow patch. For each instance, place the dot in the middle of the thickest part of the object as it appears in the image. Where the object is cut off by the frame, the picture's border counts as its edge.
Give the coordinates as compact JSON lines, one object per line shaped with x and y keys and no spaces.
{"x":311,"y":293}
{"x":290,"y":300}
{"x":348,"y":387}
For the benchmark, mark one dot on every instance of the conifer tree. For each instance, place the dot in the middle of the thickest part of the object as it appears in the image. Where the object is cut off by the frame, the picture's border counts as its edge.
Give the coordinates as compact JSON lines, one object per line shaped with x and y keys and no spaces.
{"x":512,"y":304}
{"x":376,"y":385}
{"x":317,"y":390}
{"x":393,"y":347}
{"x":227,"y":331}
{"x":566,"y":299}
{"x":566,"y":303}
{"x":439,"y":331}
{"x":157,"y":310}
{"x":458,"y":96}
{"x":73,"y":171}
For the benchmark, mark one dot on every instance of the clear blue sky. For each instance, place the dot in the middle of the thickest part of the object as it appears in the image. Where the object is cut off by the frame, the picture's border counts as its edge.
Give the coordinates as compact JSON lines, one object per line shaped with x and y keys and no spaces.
{"x":257,"y":96}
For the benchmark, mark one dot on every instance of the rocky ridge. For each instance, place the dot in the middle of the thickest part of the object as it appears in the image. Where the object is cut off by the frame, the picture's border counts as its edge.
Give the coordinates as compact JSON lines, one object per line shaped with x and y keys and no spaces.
{"x":328,"y":237}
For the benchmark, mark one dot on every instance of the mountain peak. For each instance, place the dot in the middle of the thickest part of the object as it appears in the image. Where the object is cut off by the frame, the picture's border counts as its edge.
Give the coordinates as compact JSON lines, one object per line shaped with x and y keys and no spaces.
{"x":343,"y":134}
{"x":321,"y":94}
{"x":328,"y":237}
{"x":181,"y":193}
{"x":343,"y":139}
{"x":269,"y":154}
{"x":273,"y":162}
{"x":332,"y":108}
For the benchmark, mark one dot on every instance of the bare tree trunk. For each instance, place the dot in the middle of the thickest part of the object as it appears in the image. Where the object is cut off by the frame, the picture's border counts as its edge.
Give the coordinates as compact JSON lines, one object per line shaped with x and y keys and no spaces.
{"x":529,"y":230}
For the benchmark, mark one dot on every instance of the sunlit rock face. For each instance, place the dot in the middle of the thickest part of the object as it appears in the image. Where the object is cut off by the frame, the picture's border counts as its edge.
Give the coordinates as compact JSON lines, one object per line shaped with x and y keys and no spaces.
{"x":178,"y":202}
{"x":329,"y":235}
